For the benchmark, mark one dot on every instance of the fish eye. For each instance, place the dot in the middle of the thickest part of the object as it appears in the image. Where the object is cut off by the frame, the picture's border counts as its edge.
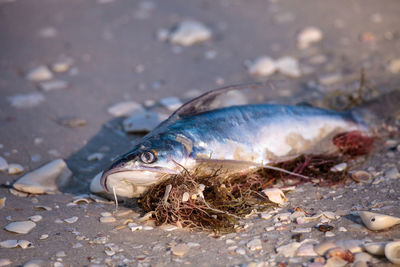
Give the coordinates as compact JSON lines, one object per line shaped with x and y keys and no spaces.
{"x":148,"y":157}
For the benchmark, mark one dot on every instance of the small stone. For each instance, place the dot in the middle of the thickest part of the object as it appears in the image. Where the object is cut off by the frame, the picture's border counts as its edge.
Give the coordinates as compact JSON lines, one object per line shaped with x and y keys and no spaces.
{"x":14,"y":168}
{"x":263,"y":66}
{"x":342,"y":229}
{"x":53,"y":85}
{"x":5,"y":262}
{"x":72,"y":122}
{"x":190,"y":32}
{"x":35,"y":218}
{"x":288,"y":250}
{"x":107,"y":219}
{"x":62,"y":65}
{"x":39,"y":74}
{"x":180,"y":249}
{"x":48,"y":178}
{"x":394,"y":65}
{"x":171,"y":103}
{"x":288,"y":66}
{"x":254,"y":244}
{"x":26,"y":100}
{"x":73,"y":219}
{"x":3,"y":164}
{"x":330,"y":79}
{"x":125,"y":108}
{"x":392,"y":173}
{"x":22,"y":227}
{"x":44,"y":236}
{"x":308,"y":36}
{"x":95,"y":156}
{"x":143,"y":122}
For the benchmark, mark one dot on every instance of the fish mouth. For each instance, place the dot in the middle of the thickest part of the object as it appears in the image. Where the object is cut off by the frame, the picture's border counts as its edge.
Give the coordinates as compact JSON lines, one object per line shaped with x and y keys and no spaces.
{"x":133,"y":182}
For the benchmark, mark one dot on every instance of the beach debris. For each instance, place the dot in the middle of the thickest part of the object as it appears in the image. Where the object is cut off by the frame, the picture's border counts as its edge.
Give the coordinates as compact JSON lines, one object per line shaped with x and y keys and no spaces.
{"x":263,"y":66}
{"x":53,"y":85}
{"x":361,"y":176}
{"x":171,"y":103}
{"x":392,"y":252}
{"x":375,"y":248}
{"x":308,"y":36}
{"x":306,"y":250}
{"x":275,"y":195}
{"x":322,"y":248}
{"x":180,"y":249}
{"x":14,"y":168}
{"x":22,"y":227}
{"x":143,"y":122}
{"x":288,"y":66}
{"x":15,"y":243}
{"x":26,"y":100}
{"x":3,"y":164}
{"x":376,"y":221}
{"x":288,"y":250}
{"x":341,"y":253}
{"x":47,"y":179}
{"x":190,"y":32}
{"x":73,"y":219}
{"x":35,"y":218}
{"x":125,"y":108}
{"x":39,"y":74}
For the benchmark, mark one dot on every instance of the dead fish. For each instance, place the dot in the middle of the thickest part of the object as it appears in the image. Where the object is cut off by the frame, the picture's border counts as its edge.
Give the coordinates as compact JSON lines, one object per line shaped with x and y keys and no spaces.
{"x":238,"y":137}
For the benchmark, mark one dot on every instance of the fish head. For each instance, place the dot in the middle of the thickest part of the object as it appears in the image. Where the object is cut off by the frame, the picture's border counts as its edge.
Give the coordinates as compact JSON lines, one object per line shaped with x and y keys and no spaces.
{"x":148,"y":163}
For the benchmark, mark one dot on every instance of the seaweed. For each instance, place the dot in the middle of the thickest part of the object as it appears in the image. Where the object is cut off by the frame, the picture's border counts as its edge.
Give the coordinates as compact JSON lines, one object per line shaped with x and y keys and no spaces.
{"x":217,"y":201}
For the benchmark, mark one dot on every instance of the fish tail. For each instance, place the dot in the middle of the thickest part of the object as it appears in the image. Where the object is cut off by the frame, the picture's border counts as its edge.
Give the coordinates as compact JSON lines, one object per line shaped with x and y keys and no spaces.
{"x":378,"y":110}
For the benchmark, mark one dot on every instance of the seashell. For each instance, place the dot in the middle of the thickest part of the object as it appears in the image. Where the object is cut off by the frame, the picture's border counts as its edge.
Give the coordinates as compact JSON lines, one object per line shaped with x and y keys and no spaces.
{"x":306,"y":250}
{"x":275,"y":195}
{"x":354,"y":246}
{"x":288,"y":250}
{"x":42,"y":208}
{"x":335,"y":262}
{"x":341,"y":253}
{"x":392,"y":252}
{"x":35,"y":218}
{"x":71,"y":220}
{"x":322,"y":248}
{"x":363,"y":257}
{"x":47,"y":179}
{"x":361,"y":176}
{"x":81,"y":200}
{"x":15,"y":243}
{"x":376,"y":221}
{"x":375,"y":248}
{"x":22,"y":227}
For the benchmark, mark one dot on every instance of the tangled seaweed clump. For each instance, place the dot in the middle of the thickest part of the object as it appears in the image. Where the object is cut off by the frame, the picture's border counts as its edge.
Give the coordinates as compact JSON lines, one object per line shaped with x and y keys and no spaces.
{"x":217,"y":201}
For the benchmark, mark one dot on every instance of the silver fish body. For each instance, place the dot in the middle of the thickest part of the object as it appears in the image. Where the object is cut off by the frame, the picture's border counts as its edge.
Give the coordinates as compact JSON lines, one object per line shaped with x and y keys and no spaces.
{"x":251,"y":134}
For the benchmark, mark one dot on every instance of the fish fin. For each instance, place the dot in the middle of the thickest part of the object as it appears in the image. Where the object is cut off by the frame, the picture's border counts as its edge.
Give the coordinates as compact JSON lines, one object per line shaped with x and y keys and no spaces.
{"x":206,"y":102}
{"x":231,"y":165}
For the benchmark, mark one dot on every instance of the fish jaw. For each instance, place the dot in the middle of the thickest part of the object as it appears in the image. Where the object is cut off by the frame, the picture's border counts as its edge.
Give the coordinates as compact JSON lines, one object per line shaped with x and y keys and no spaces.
{"x":133,"y":182}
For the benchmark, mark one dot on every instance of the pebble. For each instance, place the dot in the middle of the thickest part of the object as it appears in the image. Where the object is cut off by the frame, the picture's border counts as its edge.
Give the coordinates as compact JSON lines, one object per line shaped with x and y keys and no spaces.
{"x":73,"y":219}
{"x":3,"y":164}
{"x":39,"y":74}
{"x":394,"y":65}
{"x":288,"y":66}
{"x":47,"y":179}
{"x":62,"y":65}
{"x":143,"y":122}
{"x":288,"y":250}
{"x":330,"y":79}
{"x":107,"y":219}
{"x":263,"y":66}
{"x":53,"y":85}
{"x":95,"y":156}
{"x":254,"y":244}
{"x":26,"y":100}
{"x":5,"y":262}
{"x":308,"y":36}
{"x":392,"y":173}
{"x":22,"y":227}
{"x":125,"y":109}
{"x":36,"y":218}
{"x":171,"y":103}
{"x":15,"y":243}
{"x":44,"y":236}
{"x":180,"y":249}
{"x":342,"y":229}
{"x":190,"y":32}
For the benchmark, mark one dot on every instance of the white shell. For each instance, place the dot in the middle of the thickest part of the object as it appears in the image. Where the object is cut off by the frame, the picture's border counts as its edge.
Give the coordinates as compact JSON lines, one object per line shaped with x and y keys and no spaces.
{"x":392,"y":252}
{"x":376,"y":221}
{"x":23,"y":227}
{"x":288,"y":250}
{"x":71,"y":220}
{"x":375,"y":248}
{"x":46,"y":179}
{"x":15,"y":243}
{"x":275,"y":195}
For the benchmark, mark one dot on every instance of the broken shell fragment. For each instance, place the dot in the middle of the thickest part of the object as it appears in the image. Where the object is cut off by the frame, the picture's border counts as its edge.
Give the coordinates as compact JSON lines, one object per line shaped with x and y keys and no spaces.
{"x":376,"y":248}
{"x":46,"y":179}
{"x":341,"y":253}
{"x":23,"y":227}
{"x":361,"y":176}
{"x":392,"y":252}
{"x":15,"y":243}
{"x":275,"y":195}
{"x":376,"y":221}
